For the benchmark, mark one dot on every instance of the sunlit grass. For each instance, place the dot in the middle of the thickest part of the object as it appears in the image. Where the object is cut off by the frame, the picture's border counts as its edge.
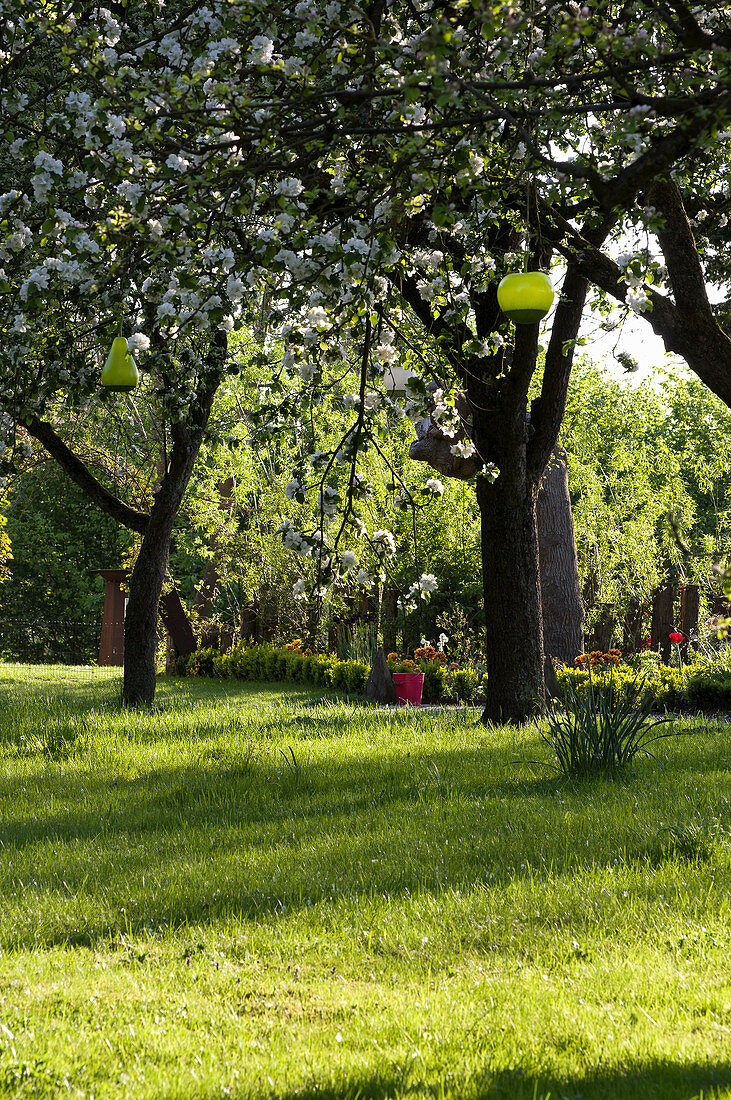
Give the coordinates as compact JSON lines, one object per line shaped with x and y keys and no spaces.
{"x":258,"y":893}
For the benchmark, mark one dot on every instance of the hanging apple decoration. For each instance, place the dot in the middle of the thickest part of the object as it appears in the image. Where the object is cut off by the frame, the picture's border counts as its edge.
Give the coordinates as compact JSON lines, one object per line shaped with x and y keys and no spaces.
{"x":525,"y":296}
{"x":120,"y":372}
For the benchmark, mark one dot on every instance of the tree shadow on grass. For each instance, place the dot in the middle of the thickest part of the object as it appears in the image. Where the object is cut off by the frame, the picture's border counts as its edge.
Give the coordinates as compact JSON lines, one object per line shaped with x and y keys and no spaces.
{"x":271,"y":833}
{"x":655,"y":1080}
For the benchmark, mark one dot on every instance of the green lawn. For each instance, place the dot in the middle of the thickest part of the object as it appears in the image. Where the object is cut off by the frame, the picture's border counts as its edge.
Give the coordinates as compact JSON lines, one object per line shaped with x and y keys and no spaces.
{"x":256,"y":893}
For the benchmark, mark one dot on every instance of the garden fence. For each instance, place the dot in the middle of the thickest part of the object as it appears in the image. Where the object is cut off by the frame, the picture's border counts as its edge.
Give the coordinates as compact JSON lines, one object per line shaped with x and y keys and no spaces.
{"x":36,"y":641}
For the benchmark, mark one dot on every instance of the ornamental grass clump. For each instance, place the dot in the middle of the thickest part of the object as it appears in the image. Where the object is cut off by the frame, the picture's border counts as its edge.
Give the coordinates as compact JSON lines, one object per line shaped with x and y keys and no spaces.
{"x":600,"y":731}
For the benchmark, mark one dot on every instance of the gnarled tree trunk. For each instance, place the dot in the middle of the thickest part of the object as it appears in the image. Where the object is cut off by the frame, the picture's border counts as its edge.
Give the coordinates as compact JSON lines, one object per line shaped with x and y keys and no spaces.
{"x":145,"y":586}
{"x":146,"y":581}
{"x":521,"y":447}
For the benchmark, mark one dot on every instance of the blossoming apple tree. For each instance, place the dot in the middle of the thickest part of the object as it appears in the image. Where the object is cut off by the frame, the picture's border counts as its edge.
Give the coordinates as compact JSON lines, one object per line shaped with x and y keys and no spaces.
{"x":365,"y":175}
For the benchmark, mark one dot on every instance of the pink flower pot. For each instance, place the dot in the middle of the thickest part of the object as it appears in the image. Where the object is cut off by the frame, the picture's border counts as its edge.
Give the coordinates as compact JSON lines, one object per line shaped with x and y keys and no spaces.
{"x":409,"y":686}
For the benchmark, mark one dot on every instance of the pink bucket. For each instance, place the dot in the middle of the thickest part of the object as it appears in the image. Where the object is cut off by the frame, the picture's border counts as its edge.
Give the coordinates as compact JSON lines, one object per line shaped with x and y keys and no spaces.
{"x":409,"y":686}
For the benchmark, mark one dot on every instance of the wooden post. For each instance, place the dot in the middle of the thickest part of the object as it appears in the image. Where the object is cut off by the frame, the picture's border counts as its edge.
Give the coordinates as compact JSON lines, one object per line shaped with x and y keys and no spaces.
{"x":601,"y":634}
{"x":689,"y":601}
{"x":111,"y":647}
{"x":632,"y":636}
{"x":662,"y":620}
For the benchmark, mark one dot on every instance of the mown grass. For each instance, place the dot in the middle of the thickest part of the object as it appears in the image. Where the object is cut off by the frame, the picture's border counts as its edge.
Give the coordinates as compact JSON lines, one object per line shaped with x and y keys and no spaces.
{"x":256,"y":893}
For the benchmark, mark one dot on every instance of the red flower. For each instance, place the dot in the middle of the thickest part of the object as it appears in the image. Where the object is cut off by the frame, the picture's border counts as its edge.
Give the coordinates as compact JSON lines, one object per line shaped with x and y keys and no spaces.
{"x":676,"y":637}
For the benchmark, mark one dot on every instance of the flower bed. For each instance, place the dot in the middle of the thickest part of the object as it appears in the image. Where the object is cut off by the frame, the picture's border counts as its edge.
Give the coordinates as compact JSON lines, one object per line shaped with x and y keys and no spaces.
{"x":701,"y":685}
{"x":443,"y":682}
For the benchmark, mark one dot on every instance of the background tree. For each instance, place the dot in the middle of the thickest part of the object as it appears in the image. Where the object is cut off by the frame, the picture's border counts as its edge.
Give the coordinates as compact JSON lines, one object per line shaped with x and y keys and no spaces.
{"x":361,"y":168}
{"x":58,"y":539}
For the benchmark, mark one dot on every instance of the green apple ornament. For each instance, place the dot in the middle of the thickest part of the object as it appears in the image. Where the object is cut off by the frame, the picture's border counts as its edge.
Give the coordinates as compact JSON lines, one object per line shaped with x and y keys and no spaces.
{"x":525,"y":296}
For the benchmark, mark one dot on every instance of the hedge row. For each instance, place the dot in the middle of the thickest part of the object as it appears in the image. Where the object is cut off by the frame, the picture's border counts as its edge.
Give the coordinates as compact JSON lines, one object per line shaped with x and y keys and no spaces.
{"x":266,"y":662}
{"x":700,"y":687}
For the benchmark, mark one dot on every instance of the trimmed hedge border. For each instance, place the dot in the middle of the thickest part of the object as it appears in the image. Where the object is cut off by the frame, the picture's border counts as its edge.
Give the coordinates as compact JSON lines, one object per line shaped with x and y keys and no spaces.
{"x":268,"y":663}
{"x":702,"y":687}
{"x":697,"y":687}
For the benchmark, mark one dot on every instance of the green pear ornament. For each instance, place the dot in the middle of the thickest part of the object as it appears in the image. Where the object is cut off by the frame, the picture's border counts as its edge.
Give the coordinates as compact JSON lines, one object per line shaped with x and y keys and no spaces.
{"x":120,"y":374}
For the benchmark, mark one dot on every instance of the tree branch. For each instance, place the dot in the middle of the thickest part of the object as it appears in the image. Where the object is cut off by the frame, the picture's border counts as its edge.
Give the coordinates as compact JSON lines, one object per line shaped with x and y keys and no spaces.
{"x":691,"y":333}
{"x":77,"y":471}
{"x":547,"y":411}
{"x":679,"y":249}
{"x":662,"y":154}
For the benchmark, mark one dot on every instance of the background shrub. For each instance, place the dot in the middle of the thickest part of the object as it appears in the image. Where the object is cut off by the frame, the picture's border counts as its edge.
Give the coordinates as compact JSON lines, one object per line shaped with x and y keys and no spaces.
{"x":465,"y":683}
{"x":710,"y":689}
{"x":435,"y":678}
{"x":663,"y":686}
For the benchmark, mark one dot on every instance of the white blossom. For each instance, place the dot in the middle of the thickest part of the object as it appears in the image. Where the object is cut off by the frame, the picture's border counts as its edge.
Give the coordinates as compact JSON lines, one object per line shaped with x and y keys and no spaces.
{"x":637,"y":299}
{"x":261,"y":50}
{"x":290,"y":187}
{"x":385,"y":353}
{"x":384,"y":541}
{"x":465,"y":448}
{"x":116,"y":125}
{"x":177,"y":163}
{"x":234,"y":287}
{"x":138,"y":342}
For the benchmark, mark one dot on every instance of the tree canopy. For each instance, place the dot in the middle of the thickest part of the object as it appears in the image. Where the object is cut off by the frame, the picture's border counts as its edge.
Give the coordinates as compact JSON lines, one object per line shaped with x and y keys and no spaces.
{"x":362,"y":176}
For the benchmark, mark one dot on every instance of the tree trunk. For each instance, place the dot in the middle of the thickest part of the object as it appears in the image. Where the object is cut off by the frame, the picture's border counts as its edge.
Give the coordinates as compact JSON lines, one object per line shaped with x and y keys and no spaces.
{"x":562,"y":607}
{"x":145,"y":585}
{"x":145,"y":588}
{"x":515,"y":686}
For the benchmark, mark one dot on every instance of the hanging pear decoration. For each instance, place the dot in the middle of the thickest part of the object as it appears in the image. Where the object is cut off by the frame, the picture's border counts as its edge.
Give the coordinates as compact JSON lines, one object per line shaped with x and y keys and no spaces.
{"x":120,"y":372}
{"x":525,"y":296}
